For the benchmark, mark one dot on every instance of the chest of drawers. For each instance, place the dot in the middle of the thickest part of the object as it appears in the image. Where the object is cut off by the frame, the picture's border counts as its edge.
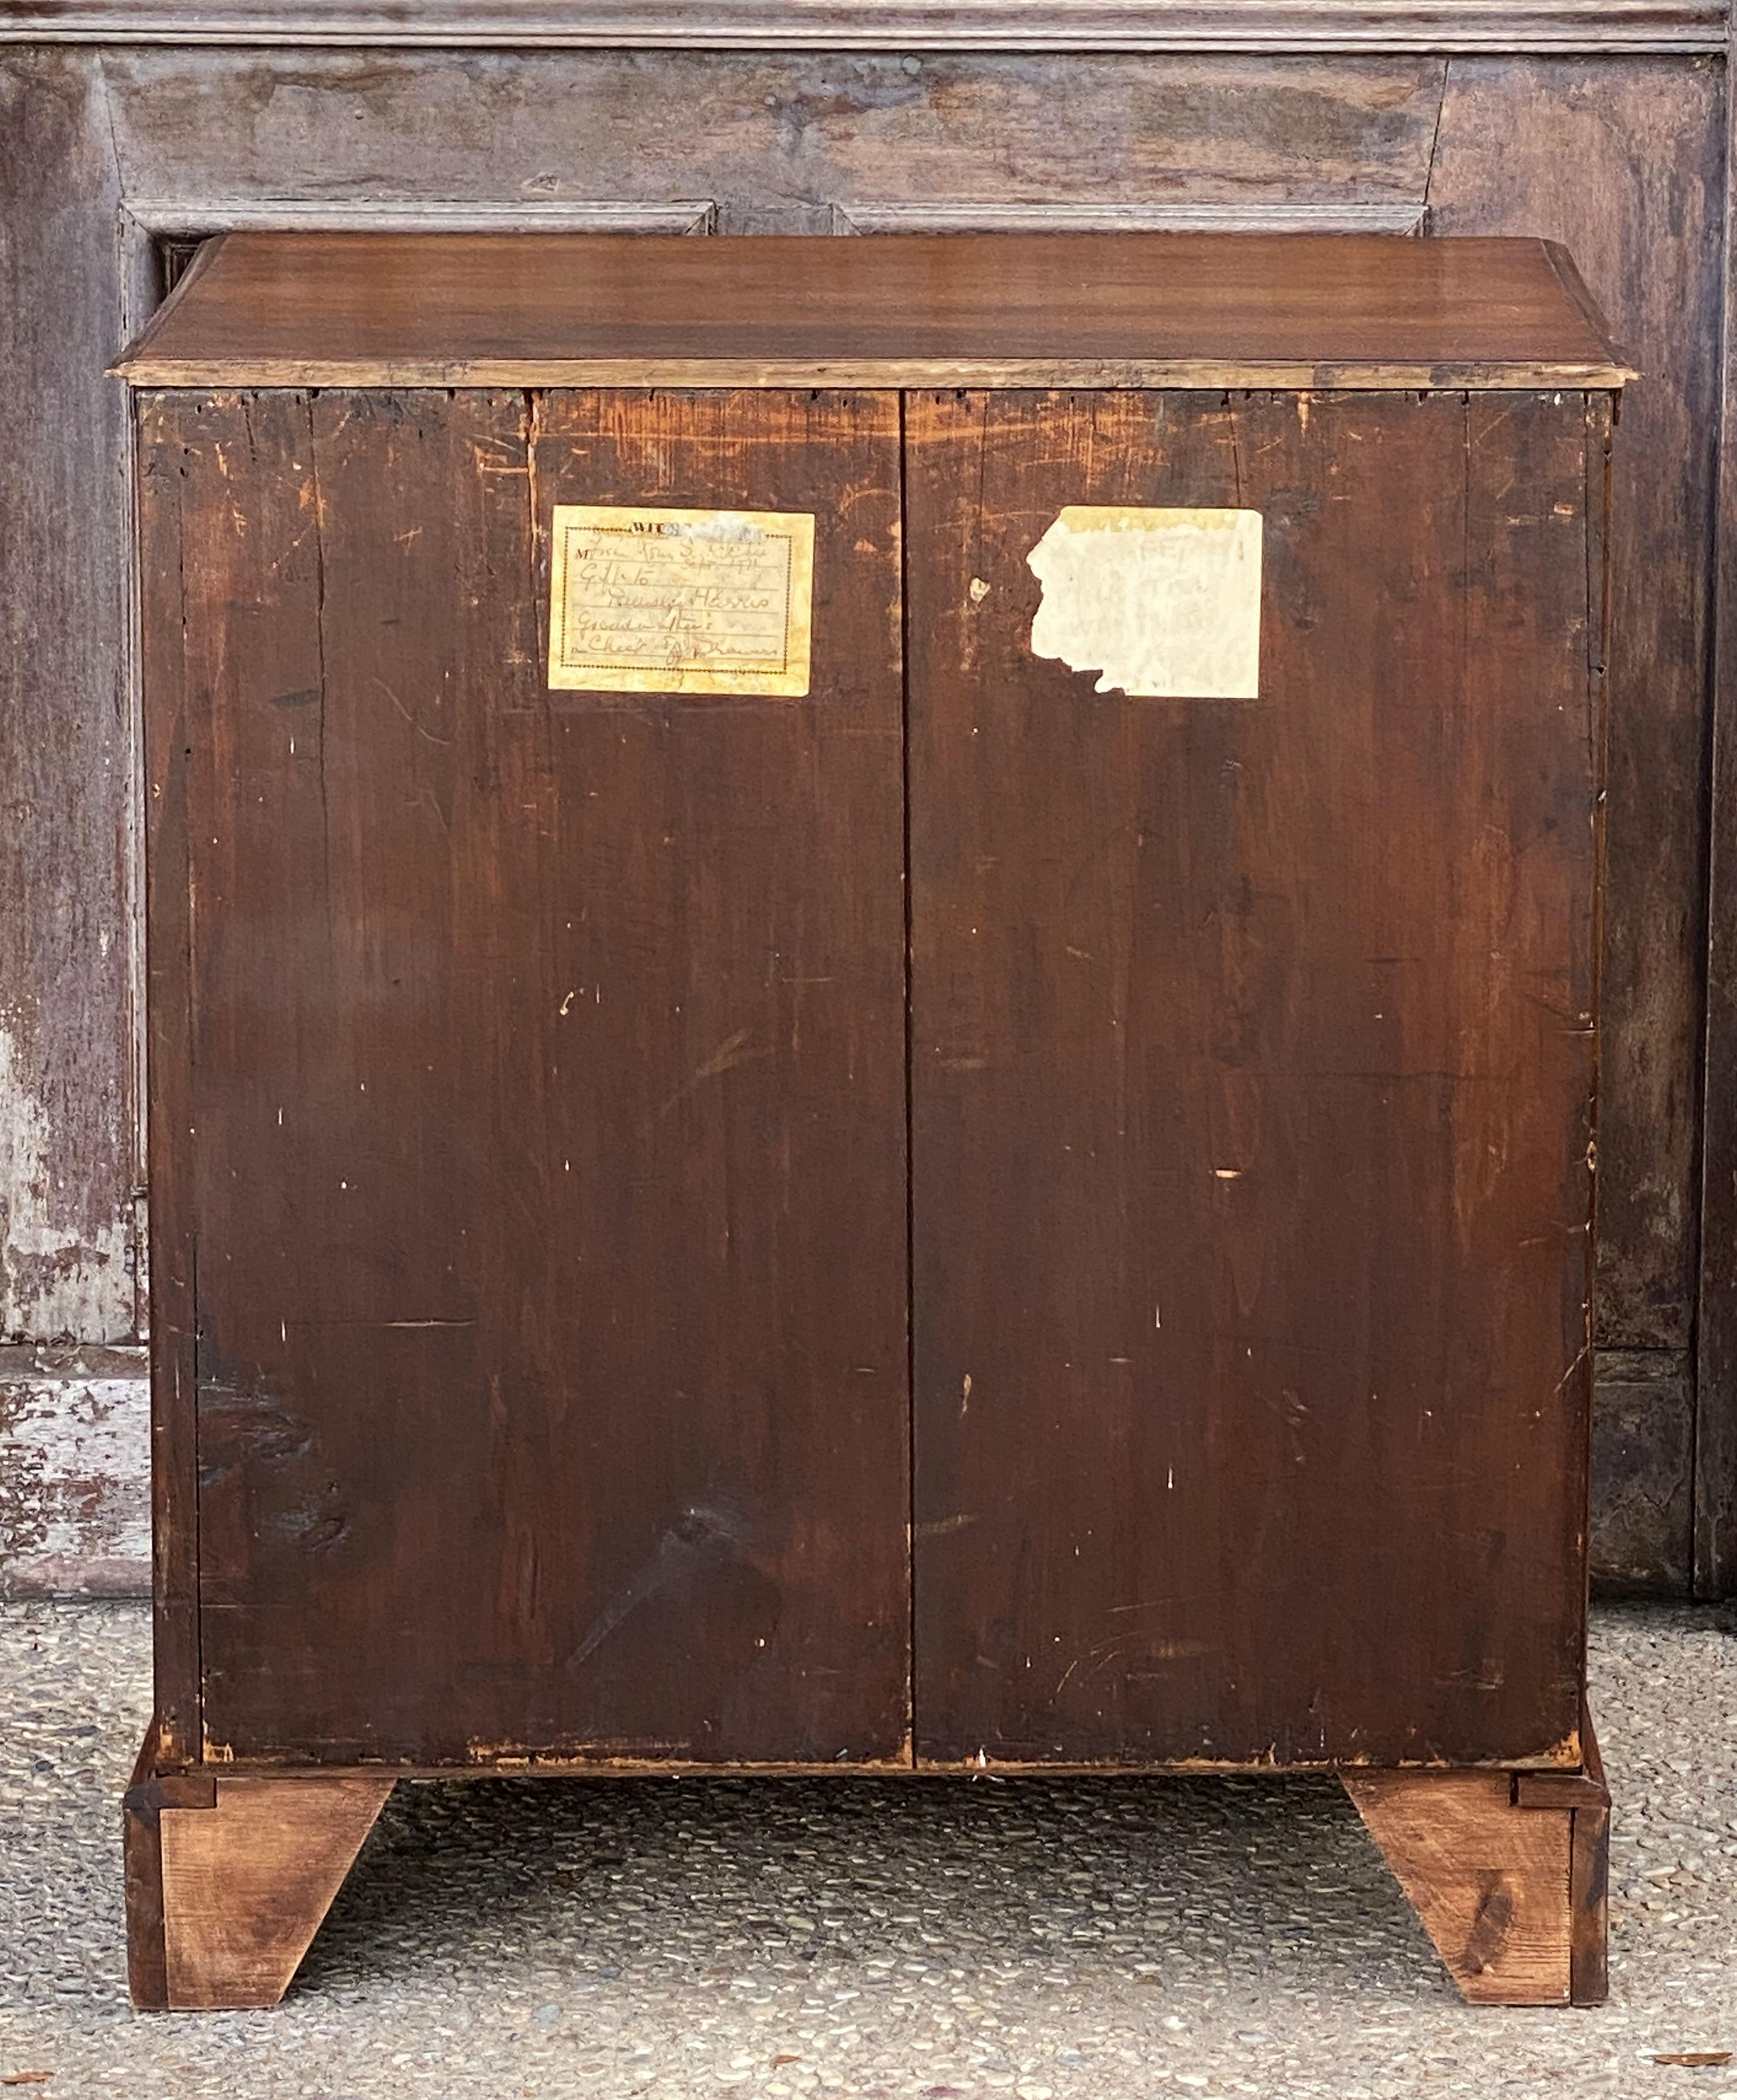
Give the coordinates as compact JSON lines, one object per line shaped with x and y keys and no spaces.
{"x":872,"y":1037}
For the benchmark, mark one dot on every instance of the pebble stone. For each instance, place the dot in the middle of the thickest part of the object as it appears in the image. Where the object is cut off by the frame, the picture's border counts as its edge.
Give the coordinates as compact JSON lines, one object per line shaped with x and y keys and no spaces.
{"x":943,"y":1940}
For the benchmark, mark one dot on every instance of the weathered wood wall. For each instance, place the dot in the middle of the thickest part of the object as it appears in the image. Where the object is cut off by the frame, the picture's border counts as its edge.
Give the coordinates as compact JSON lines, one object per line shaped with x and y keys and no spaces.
{"x":1606,"y":127}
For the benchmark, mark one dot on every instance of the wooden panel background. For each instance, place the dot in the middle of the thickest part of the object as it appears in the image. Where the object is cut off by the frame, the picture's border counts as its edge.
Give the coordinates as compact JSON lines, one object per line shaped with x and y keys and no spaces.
{"x":1622,"y":157}
{"x":68,"y":1156}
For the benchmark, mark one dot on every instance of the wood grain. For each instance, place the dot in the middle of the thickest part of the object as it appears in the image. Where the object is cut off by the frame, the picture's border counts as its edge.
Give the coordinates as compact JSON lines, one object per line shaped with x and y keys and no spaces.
{"x":1490,"y":1889}
{"x":1627,"y":166}
{"x":68,"y":1158}
{"x":1256,"y":215}
{"x":1630,"y":165}
{"x":1136,"y":309}
{"x":550,"y":1398}
{"x":155,"y":1785}
{"x":188,"y":219}
{"x":176,"y":696}
{"x":247,"y":1883}
{"x":1642,"y":1531}
{"x":780,"y":140}
{"x":1252,"y":1065}
{"x":1716,"y":1331}
{"x":1489,"y":1881}
{"x":1129,"y":26}
{"x":1588,"y":1882}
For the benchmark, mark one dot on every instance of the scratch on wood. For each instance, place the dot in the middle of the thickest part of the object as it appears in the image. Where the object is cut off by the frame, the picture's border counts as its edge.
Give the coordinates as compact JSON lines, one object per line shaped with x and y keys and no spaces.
{"x":705,"y":1536}
{"x":733,"y":1051}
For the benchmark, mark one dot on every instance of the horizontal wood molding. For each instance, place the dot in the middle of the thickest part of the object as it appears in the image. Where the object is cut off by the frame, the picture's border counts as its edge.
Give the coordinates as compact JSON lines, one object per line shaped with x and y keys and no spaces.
{"x":148,"y":369}
{"x":193,"y":219}
{"x":1020,"y":310}
{"x":1128,"y":25}
{"x":1400,"y":216}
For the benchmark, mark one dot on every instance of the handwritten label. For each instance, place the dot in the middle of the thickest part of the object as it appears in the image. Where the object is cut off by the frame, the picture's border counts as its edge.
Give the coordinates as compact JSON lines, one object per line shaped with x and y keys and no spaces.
{"x":680,"y":600}
{"x":1166,"y":604}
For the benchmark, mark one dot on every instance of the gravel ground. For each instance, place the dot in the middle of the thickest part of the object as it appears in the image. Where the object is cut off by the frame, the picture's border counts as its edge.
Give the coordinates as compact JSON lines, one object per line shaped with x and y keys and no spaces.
{"x":1055,"y":1940}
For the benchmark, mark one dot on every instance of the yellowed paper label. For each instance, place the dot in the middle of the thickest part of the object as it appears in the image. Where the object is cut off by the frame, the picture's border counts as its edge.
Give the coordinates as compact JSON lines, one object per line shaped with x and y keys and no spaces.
{"x":680,"y":600}
{"x":1165,"y":604}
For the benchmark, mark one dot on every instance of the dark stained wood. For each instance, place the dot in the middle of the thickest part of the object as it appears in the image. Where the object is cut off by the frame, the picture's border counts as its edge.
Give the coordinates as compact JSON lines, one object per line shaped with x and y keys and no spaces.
{"x":326,"y":309}
{"x":1122,"y":26}
{"x":542,"y":1066}
{"x":1629,"y":166}
{"x":1626,"y":165}
{"x":1252,"y":1065}
{"x":174,"y":669}
{"x":1588,"y":1882}
{"x":1716,"y":1331}
{"x":548,"y":1184}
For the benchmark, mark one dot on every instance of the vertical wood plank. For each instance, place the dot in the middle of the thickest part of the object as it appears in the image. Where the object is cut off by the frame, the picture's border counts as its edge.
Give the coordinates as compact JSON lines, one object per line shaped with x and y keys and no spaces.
{"x":1624,"y":163}
{"x":1252,"y":1065}
{"x":67,"y":1155}
{"x":1588,"y":1882}
{"x":550,"y":1171}
{"x":1715,"y":1493}
{"x":175,"y":709}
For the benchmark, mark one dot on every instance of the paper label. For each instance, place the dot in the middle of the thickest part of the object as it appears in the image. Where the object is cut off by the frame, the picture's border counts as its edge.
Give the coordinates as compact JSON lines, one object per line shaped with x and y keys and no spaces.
{"x":680,"y":600}
{"x":1165,"y":604}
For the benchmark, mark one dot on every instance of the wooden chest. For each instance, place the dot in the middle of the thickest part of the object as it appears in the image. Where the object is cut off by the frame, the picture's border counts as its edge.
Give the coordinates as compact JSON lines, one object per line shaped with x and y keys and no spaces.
{"x":872,"y":1037}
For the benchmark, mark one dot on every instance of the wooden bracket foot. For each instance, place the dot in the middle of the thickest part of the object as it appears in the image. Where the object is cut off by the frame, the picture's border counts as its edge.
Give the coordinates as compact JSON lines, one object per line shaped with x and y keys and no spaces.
{"x":227,"y":1880}
{"x":1507,"y":1872}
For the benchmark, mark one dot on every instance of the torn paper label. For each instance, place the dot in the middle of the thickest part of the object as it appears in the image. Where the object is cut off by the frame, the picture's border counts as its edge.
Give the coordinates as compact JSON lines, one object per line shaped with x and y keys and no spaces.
{"x":661,"y":601}
{"x":1164,"y":604}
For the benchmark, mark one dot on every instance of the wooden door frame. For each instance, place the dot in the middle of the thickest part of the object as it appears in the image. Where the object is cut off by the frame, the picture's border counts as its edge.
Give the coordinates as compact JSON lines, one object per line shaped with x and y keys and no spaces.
{"x":1347,"y":29}
{"x":1038,"y":24}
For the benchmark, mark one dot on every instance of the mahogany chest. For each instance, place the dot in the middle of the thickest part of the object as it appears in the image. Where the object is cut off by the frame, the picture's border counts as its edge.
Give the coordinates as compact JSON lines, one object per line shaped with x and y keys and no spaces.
{"x":872,"y":1037}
